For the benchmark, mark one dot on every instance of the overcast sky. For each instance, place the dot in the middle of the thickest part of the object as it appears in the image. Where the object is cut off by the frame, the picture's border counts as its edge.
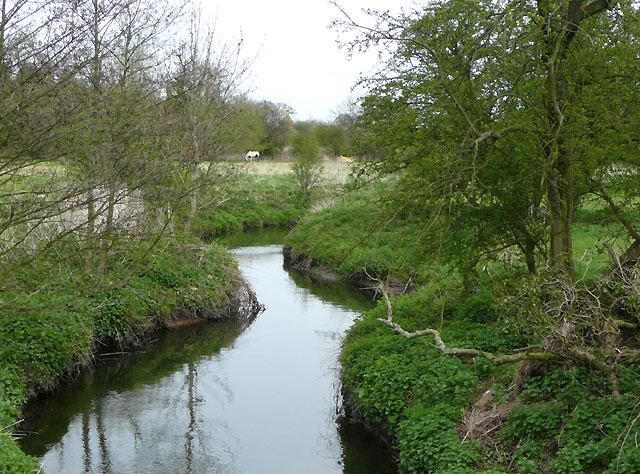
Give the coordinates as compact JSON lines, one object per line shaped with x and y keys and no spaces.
{"x":298,"y":61}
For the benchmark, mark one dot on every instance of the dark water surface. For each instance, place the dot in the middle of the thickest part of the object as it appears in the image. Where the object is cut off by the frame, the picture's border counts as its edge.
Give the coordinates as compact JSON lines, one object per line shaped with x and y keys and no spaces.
{"x":219,"y":397}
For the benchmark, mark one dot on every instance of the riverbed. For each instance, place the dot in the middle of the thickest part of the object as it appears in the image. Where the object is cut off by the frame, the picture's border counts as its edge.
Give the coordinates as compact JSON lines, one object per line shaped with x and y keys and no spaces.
{"x":227,"y":397}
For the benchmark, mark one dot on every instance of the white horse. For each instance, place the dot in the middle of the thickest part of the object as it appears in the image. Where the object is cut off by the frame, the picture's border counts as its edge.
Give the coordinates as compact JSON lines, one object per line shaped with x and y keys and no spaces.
{"x":251,"y":155}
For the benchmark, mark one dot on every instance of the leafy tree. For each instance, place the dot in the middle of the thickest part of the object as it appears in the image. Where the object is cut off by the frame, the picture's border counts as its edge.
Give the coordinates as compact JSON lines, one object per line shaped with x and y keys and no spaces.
{"x":493,"y":110}
{"x":496,"y":119}
{"x":246,"y":127}
{"x":307,"y":166}
{"x":278,"y":127}
{"x":202,"y":97}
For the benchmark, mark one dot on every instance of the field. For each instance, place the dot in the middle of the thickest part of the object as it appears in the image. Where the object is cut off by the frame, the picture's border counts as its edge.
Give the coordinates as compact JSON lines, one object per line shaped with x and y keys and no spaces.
{"x":336,"y":172}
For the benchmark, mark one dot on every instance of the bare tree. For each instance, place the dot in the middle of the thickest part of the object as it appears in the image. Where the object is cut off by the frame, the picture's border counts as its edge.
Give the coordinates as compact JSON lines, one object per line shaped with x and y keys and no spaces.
{"x":205,"y":83}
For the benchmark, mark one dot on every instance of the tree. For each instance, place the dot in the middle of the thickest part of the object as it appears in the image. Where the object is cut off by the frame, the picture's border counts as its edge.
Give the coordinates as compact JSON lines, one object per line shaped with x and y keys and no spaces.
{"x":246,"y":127}
{"x":497,"y":119}
{"x":278,"y":127}
{"x":484,"y":109}
{"x":39,"y":61}
{"x":307,"y":166}
{"x":204,"y":84}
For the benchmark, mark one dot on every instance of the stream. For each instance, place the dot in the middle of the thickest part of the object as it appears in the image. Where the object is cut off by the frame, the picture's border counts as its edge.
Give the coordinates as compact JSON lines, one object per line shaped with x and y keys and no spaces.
{"x":226,"y":397}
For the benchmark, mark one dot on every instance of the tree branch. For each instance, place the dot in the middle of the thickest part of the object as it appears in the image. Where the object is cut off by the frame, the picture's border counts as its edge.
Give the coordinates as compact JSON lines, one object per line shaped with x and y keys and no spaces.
{"x":499,"y":359}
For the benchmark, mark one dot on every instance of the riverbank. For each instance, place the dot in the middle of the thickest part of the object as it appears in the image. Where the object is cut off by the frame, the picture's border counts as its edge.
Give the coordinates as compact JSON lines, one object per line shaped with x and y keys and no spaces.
{"x":61,"y":313}
{"x":51,"y":327}
{"x":254,"y":202}
{"x":189,"y":399}
{"x":354,"y":240}
{"x":448,"y":414}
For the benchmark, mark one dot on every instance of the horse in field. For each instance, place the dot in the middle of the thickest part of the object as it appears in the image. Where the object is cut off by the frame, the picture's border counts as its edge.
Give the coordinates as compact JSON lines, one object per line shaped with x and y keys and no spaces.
{"x":251,"y":155}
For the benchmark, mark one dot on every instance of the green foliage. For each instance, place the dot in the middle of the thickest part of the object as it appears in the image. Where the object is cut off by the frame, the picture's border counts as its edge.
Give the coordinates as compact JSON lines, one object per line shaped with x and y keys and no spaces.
{"x":14,"y":461}
{"x":413,"y":390}
{"x":531,"y":422}
{"x":308,"y":166}
{"x":278,"y":127}
{"x":477,"y":308}
{"x":594,"y":436}
{"x":561,"y":424}
{"x":398,"y":380}
{"x":428,"y":443}
{"x":356,"y":235}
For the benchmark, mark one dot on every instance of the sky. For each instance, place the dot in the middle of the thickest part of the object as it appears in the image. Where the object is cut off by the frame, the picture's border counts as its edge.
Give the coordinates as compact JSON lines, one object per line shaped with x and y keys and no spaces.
{"x":297,"y":58}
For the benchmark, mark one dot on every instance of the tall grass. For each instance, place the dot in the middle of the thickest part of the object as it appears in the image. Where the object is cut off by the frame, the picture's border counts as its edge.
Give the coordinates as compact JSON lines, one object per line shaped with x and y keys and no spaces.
{"x":336,"y":172}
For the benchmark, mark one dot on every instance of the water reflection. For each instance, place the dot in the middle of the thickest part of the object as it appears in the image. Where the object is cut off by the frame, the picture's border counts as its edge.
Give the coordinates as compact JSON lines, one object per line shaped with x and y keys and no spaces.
{"x":218,"y":397}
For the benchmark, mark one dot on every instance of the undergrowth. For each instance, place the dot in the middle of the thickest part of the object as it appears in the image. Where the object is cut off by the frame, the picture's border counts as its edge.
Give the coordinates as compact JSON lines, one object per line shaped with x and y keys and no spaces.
{"x":560,"y":421}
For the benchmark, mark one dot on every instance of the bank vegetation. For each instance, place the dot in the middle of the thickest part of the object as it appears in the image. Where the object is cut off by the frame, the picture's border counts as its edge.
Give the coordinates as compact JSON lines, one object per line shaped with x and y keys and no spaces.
{"x":499,"y":202}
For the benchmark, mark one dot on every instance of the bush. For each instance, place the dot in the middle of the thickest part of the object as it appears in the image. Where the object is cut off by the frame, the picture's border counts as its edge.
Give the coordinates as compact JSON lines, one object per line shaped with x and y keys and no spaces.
{"x":308,"y":166}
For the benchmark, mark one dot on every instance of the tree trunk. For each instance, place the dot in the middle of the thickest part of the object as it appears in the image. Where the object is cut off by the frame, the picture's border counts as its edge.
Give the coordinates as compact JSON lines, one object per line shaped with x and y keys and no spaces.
{"x":194,"y":199}
{"x":559,"y":33}
{"x":108,"y":231}
{"x":530,"y":256}
{"x":3,"y":26}
{"x":560,"y":197}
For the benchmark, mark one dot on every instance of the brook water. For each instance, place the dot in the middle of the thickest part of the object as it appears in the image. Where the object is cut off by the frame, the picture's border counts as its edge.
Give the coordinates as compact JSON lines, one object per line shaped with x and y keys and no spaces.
{"x":219,"y":397}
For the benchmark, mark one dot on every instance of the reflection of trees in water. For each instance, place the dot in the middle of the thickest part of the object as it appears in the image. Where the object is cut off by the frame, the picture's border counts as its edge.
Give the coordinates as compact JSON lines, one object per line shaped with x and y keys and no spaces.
{"x":191,"y":402}
{"x":104,"y":412}
{"x":105,"y":464}
{"x":111,"y":422}
{"x":336,"y":293}
{"x":86,"y":448}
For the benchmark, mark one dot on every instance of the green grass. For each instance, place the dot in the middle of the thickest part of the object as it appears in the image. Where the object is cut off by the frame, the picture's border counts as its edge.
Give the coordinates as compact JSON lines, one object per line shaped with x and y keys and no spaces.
{"x":254,"y":202}
{"x":355,"y":235}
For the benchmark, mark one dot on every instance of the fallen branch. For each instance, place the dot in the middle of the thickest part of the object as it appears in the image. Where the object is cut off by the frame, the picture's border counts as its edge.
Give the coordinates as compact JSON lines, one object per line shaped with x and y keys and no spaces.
{"x":493,"y":358}
{"x":498,"y":359}
{"x":620,"y":324}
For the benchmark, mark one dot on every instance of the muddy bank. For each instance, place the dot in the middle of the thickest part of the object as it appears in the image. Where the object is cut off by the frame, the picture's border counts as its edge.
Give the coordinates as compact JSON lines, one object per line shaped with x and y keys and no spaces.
{"x":304,"y":264}
{"x":242,"y":305}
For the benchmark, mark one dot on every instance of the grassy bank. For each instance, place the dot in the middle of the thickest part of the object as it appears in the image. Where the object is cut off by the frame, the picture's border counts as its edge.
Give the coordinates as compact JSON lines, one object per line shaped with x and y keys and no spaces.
{"x":356,"y":237}
{"x":451,"y":415}
{"x":446,"y":414}
{"x":52,"y":323}
{"x":266,"y":195}
{"x":255,"y":201}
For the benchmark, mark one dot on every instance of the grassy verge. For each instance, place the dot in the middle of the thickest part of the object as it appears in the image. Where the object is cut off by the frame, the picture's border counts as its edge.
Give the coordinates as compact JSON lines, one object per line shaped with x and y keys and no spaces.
{"x":355,"y":237}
